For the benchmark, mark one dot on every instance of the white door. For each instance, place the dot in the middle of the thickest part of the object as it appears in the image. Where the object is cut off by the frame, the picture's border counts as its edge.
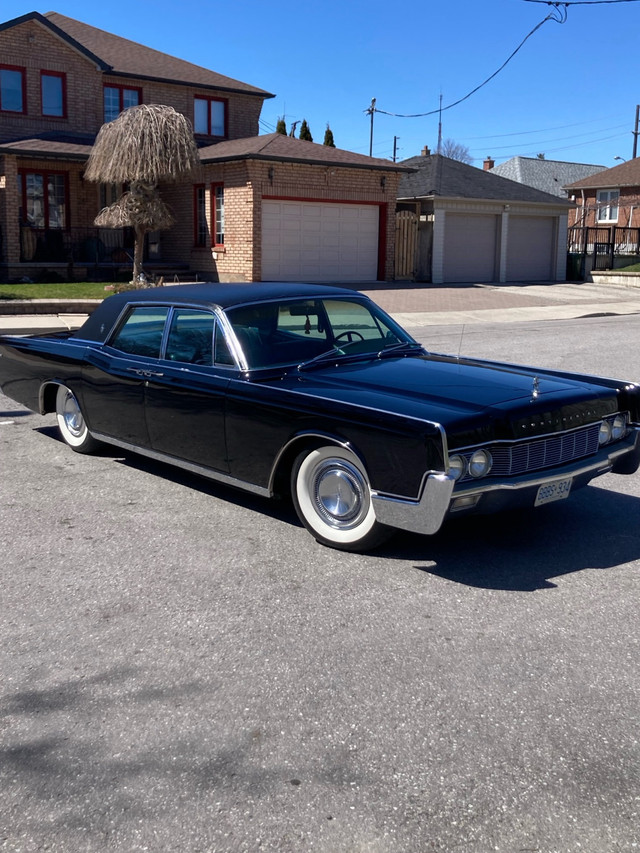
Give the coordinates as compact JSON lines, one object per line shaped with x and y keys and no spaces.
{"x":470,"y":247}
{"x":531,"y":248}
{"x":319,"y":241}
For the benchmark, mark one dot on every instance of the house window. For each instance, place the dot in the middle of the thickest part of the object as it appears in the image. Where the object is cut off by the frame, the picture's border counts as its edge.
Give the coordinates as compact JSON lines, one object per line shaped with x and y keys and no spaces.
{"x":12,"y":89}
{"x":607,"y":205}
{"x":119,"y":98}
{"x":210,"y":116}
{"x":201,"y":226}
{"x":53,"y":94}
{"x":44,"y":199}
{"x":217,"y":205}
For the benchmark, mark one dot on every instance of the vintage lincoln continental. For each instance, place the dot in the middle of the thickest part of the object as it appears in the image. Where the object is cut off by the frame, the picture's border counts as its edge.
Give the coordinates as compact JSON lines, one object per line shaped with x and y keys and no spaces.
{"x":315,"y":392}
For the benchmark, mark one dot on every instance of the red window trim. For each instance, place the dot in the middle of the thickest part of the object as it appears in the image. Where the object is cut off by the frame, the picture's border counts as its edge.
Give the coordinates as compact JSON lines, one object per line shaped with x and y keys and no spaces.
{"x":23,"y":72}
{"x":121,"y":87}
{"x":22,"y":174}
{"x":196,"y":235}
{"x":214,"y":222}
{"x":61,"y":74}
{"x":209,"y":99}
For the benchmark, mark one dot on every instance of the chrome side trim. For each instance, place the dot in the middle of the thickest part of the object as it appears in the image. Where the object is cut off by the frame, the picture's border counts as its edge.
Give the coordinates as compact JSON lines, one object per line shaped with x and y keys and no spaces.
{"x":192,"y":467}
{"x":423,"y":516}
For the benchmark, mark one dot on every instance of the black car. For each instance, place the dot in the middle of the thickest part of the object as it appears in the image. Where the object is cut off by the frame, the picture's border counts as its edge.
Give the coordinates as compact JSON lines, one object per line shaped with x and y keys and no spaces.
{"x":315,"y":392}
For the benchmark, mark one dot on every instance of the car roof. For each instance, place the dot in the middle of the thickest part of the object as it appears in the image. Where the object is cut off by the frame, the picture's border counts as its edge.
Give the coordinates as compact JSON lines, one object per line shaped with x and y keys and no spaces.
{"x":207,"y":295}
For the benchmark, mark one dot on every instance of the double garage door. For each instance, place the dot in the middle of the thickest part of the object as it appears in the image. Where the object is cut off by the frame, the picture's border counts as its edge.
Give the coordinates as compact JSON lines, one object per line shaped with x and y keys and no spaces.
{"x":319,"y":241}
{"x":472,"y":248}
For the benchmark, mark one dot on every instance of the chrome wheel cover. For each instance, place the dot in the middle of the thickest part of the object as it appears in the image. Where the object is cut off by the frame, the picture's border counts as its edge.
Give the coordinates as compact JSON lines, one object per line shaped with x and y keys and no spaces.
{"x":339,"y":494}
{"x":72,"y":415}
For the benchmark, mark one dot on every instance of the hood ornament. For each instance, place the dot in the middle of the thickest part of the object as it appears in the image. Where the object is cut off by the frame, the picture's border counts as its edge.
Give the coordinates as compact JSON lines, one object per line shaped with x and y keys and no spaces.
{"x":535,"y":393}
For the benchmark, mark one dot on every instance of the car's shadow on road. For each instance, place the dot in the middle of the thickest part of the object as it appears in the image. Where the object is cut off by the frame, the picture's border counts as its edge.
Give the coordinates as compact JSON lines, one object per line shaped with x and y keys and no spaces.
{"x":524,"y":550}
{"x":596,"y":528}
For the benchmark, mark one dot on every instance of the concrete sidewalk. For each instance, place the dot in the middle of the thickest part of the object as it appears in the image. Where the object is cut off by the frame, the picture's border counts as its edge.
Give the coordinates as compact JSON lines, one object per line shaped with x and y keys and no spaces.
{"x":410,"y":304}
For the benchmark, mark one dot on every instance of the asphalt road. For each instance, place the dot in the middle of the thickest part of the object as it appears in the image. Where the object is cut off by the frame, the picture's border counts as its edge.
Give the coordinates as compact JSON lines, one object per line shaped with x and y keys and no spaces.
{"x":184,"y":669}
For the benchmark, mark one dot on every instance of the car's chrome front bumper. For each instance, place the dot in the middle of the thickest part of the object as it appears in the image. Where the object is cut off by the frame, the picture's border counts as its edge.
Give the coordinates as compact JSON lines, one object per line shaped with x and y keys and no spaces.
{"x":441,"y":496}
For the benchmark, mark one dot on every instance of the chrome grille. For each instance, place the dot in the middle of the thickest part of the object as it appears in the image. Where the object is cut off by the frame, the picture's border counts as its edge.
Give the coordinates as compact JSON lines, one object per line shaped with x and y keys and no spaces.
{"x":510,"y":460}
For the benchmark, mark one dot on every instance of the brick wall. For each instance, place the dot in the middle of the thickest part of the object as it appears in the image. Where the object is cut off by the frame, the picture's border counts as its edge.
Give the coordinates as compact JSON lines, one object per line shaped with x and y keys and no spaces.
{"x":32,"y":47}
{"x":245,"y":184}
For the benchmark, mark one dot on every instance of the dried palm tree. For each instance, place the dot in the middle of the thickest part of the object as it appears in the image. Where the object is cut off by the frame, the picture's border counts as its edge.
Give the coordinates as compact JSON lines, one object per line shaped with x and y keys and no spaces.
{"x":143,"y":146}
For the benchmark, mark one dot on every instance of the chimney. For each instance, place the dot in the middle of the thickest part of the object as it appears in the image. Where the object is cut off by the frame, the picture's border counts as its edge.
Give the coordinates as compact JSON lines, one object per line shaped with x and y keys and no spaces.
{"x":426,"y":152}
{"x":488,"y":164}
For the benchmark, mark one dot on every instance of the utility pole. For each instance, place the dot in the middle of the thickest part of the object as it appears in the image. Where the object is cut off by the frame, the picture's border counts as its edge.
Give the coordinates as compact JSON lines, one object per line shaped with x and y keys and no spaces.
{"x":371,"y":111}
{"x":395,"y":147}
{"x":635,"y":133}
{"x":439,"y":148}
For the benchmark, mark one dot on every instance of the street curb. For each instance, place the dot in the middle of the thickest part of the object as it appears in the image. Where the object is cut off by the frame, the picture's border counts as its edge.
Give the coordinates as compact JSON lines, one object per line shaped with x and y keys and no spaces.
{"x":11,"y":307}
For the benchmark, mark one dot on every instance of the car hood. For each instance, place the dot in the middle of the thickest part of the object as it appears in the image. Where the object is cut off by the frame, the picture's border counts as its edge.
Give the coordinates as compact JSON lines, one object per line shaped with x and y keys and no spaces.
{"x":461,"y":394}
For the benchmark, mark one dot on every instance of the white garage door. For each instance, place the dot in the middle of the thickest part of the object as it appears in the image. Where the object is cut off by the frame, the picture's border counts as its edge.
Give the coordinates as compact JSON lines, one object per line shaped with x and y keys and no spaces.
{"x":309,"y":241}
{"x":470,"y":247}
{"x":531,"y":248}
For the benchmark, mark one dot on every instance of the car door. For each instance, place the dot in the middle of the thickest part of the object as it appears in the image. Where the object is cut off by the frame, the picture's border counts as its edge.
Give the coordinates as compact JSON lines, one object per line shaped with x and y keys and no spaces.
{"x":114,"y":379}
{"x":185,"y":397}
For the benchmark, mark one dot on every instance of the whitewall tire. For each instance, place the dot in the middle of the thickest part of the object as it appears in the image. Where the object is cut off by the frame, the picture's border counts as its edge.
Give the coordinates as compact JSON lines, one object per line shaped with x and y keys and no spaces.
{"x":332,"y":496}
{"x":71,"y":422}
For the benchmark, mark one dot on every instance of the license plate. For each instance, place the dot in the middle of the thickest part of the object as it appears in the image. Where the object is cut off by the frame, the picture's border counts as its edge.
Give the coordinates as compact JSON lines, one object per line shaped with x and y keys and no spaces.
{"x":558,"y":490}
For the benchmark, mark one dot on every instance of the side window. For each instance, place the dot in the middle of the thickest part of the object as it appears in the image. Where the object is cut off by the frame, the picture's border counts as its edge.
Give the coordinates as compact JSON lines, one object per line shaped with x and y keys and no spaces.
{"x":190,"y":336}
{"x":222,"y":354}
{"x":142,"y":331}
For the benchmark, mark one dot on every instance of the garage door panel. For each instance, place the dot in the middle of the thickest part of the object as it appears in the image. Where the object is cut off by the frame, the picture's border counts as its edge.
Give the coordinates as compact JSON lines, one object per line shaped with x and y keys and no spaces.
{"x":531,"y":248}
{"x":312,"y":241}
{"x":470,"y":247}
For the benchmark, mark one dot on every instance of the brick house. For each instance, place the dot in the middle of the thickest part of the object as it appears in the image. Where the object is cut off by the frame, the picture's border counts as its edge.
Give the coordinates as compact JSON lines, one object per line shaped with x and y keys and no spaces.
{"x":262,"y":207}
{"x":604,"y":228}
{"x":610,"y":197}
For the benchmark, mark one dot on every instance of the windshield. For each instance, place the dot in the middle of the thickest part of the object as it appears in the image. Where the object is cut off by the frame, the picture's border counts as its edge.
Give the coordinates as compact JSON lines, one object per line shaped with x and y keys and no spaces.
{"x":295,"y":331}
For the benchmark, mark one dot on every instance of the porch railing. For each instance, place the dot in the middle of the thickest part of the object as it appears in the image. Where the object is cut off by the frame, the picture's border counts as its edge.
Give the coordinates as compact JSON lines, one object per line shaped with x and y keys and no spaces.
{"x":90,"y":246}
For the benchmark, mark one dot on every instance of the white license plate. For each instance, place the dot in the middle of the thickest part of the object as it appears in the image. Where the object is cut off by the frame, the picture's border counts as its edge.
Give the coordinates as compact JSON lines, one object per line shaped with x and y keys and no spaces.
{"x":558,"y":490}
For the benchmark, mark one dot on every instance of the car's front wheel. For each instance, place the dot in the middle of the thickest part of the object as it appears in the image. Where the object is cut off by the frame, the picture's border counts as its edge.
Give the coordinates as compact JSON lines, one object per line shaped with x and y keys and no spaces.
{"x":71,"y":422}
{"x":332,"y":496}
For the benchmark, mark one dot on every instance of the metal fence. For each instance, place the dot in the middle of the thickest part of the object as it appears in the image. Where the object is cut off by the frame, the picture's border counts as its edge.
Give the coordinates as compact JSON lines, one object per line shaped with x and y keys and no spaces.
{"x":603,"y":243}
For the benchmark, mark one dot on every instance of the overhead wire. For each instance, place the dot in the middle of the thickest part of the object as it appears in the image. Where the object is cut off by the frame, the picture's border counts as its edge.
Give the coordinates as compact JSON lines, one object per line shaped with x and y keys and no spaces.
{"x":558,"y":15}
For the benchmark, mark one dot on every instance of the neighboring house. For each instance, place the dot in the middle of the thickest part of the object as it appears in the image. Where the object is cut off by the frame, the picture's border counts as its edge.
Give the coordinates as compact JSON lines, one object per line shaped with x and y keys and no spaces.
{"x":549,"y":176}
{"x":474,"y":226}
{"x":605,"y":227}
{"x":262,"y":207}
{"x":611,"y":197}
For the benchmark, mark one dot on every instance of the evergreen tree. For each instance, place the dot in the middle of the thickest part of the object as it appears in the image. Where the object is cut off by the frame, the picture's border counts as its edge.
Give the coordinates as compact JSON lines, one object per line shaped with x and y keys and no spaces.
{"x":328,"y":137}
{"x":305,"y":133}
{"x":281,"y":126}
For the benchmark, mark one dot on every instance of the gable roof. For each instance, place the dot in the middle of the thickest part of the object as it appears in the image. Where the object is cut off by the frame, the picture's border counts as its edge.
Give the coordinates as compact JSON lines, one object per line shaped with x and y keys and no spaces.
{"x":442,"y":177}
{"x":276,"y":146}
{"x":550,"y":176}
{"x":625,"y":175}
{"x":121,"y":57}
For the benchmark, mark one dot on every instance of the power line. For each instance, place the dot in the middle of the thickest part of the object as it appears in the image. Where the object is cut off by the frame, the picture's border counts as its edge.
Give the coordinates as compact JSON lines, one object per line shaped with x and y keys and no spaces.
{"x":558,"y":15}
{"x":542,"y":129}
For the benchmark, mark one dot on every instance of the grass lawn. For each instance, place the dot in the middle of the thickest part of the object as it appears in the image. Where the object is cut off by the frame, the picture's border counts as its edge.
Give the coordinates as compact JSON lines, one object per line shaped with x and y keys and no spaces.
{"x":632,"y":268}
{"x":64,"y":290}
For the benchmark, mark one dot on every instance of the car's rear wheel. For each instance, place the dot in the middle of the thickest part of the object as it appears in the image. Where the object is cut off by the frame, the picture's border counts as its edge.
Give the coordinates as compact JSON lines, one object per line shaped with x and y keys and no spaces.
{"x":332,"y":496}
{"x":71,"y":422}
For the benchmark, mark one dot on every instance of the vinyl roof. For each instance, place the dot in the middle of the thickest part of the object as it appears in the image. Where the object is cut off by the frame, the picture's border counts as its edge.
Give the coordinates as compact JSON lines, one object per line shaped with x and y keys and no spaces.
{"x":206,"y":295}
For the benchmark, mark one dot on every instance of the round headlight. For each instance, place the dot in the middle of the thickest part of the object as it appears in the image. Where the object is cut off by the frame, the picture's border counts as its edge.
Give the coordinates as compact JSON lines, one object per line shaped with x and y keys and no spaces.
{"x":457,"y":466}
{"x":618,"y":427}
{"x":480,"y":463}
{"x":604,"y":435}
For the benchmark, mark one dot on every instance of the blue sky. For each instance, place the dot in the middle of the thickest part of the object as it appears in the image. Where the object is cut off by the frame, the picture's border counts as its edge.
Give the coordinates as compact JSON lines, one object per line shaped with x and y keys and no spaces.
{"x":570,"y":92}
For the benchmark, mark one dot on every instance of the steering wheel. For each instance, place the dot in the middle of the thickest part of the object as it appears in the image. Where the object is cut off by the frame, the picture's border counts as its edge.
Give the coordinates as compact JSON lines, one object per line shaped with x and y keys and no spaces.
{"x":349,"y":336}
